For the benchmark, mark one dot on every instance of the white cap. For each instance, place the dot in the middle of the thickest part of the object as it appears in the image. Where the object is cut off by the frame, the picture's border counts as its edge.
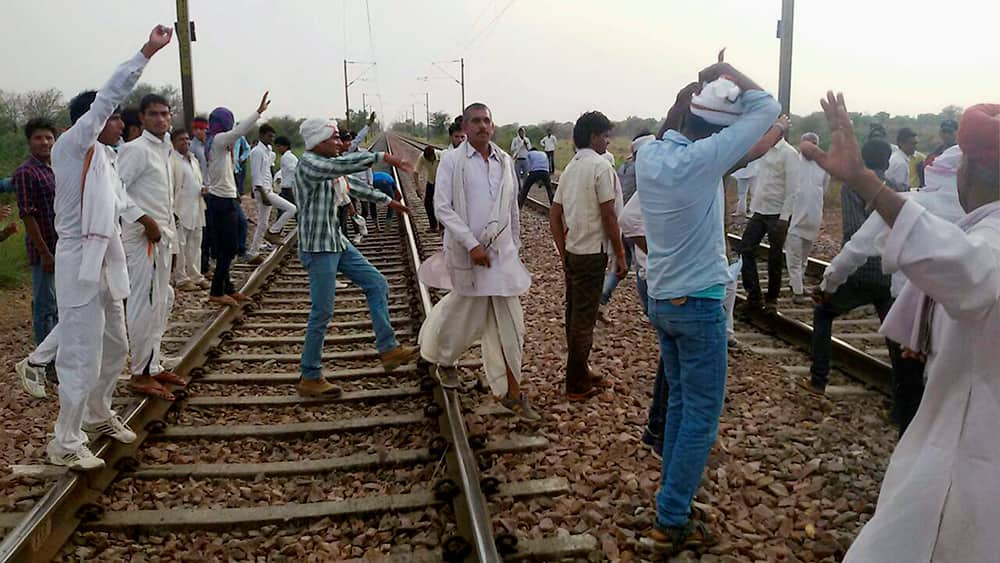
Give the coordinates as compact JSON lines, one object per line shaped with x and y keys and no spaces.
{"x":315,"y":130}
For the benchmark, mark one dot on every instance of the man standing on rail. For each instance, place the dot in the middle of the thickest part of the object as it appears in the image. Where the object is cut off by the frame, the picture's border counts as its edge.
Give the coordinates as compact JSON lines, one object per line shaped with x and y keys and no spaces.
{"x":149,"y":233}
{"x":584,"y":225}
{"x":938,"y":501}
{"x":687,"y":273}
{"x":324,"y":249}
{"x":940,"y":197}
{"x":91,"y":273}
{"x":476,"y":201}
{"x":427,"y":165}
{"x":866,"y":285}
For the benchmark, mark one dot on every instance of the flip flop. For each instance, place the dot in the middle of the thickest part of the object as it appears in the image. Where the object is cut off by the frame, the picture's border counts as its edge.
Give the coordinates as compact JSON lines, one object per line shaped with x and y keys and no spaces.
{"x":171,"y":378}
{"x":153,"y":390}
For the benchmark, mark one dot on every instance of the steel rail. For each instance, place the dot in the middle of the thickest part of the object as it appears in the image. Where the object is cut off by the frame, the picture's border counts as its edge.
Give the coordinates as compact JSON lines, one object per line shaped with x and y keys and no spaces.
{"x":474,"y":518}
{"x":53,"y":519}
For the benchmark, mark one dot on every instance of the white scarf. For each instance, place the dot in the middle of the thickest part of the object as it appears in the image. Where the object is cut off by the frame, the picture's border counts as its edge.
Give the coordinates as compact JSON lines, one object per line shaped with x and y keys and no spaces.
{"x":455,"y":257}
{"x":909,"y":320}
{"x":99,"y":215}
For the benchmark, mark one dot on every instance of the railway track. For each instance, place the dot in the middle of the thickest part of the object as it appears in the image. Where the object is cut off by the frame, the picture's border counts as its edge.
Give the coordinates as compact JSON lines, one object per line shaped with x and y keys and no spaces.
{"x":241,"y":466}
{"x":859,"y":352}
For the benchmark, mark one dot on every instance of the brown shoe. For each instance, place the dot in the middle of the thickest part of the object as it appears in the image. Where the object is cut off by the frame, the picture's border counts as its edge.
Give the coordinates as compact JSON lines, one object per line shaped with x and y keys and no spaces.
{"x":807,"y":384}
{"x":583,"y":395}
{"x":273,"y":238}
{"x":694,"y":535}
{"x":223,"y":300}
{"x":239,"y":297}
{"x":256,"y":260}
{"x":318,"y":388}
{"x":398,"y":356}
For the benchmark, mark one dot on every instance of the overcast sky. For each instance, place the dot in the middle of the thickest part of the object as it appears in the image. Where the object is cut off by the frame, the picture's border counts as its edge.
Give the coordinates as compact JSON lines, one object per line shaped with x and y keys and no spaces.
{"x":530,"y":60}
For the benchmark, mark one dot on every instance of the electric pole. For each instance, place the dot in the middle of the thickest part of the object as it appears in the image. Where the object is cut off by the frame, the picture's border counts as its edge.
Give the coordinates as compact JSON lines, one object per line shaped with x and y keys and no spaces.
{"x":347,"y":100}
{"x":185,"y":32}
{"x":462,"y":61}
{"x":785,"y":27}
{"x":427,"y":106}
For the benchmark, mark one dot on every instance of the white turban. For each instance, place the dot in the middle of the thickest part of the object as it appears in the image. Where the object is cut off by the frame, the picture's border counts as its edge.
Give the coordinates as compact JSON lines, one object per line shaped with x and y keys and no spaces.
{"x":942,"y":174}
{"x":316,"y":130}
{"x":719,"y":102}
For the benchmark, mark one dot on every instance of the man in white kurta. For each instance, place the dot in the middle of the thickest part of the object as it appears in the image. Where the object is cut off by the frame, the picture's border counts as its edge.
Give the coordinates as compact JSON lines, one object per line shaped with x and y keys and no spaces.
{"x":807,"y":216}
{"x":189,"y":209}
{"x":940,"y":499}
{"x":146,"y":169}
{"x":261,"y":164}
{"x":476,"y":201}
{"x":91,"y":275}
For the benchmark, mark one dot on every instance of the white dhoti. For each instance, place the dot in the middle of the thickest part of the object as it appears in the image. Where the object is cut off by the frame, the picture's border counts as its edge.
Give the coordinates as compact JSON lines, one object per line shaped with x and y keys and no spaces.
{"x":796,"y":256}
{"x":285,"y":207}
{"x":457,"y":321}
{"x":188,"y":266}
{"x":91,"y":353}
{"x":149,"y":302}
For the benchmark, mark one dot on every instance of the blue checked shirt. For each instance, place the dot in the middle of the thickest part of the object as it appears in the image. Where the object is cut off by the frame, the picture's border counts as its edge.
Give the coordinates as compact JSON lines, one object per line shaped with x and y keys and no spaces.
{"x":319,"y":229}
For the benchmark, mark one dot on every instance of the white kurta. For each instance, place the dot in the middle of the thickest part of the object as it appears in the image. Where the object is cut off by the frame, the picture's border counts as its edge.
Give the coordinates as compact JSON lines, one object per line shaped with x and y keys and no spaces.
{"x":484,"y":306}
{"x":189,"y":207}
{"x":940,"y":500}
{"x":91,"y":331}
{"x":147,"y":172}
{"x":807,"y":209}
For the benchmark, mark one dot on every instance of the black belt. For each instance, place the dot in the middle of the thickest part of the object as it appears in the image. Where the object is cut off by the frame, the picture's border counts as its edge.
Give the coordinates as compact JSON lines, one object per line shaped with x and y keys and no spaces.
{"x":522,"y":158}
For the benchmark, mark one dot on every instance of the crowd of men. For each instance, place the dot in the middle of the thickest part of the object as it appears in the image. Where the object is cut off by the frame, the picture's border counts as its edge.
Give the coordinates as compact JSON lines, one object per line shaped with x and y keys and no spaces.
{"x":112,"y":230}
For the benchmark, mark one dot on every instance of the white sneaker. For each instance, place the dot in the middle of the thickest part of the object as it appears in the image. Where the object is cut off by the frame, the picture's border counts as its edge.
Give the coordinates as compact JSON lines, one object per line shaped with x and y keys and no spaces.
{"x":82,"y":459}
{"x":357,"y":240}
{"x":114,"y":427}
{"x":32,"y":378}
{"x":341,"y":285}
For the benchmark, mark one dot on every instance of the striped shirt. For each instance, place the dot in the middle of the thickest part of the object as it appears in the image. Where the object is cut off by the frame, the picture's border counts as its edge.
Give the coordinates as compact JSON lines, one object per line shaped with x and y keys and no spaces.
{"x":319,"y":229}
{"x":35,"y":186}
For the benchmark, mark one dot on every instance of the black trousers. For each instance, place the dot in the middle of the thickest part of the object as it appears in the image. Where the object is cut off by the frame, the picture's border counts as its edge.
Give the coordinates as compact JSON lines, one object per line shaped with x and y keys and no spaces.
{"x":758,"y":226}
{"x":584,"y":281}
{"x":552,"y":160}
{"x":224,"y":217}
{"x":206,"y":242}
{"x":907,"y":386}
{"x":533,"y":178}
{"x":429,"y":206}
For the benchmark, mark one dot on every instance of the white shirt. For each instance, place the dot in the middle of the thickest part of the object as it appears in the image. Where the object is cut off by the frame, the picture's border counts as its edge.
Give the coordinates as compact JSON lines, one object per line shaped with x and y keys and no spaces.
{"x":146,"y":168}
{"x":940,"y":498}
{"x":506,"y":275}
{"x":189,"y":205}
{"x":633,"y":225}
{"x":899,"y":168}
{"x":549,"y":143}
{"x":807,"y":208}
{"x":288,"y":163}
{"x":777,"y":180}
{"x":261,"y":161}
{"x":587,"y":182}
{"x":869,"y":240}
{"x":68,"y":156}
{"x":221,"y":181}
{"x":519,"y":147}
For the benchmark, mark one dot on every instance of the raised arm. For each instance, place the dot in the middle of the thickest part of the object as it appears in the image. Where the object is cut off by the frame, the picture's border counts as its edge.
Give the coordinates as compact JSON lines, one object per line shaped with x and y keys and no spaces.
{"x":85,"y":131}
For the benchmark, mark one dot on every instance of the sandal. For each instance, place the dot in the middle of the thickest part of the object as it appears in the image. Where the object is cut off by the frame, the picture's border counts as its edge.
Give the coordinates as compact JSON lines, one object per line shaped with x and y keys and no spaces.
{"x":170,"y":378}
{"x":152,"y":390}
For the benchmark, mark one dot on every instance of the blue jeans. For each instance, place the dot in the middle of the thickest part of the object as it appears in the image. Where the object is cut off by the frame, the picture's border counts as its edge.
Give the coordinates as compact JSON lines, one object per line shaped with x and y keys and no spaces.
{"x":322,"y":268}
{"x":44,"y":313}
{"x":693,"y":347}
{"x":611,"y":278}
{"x":658,"y":407}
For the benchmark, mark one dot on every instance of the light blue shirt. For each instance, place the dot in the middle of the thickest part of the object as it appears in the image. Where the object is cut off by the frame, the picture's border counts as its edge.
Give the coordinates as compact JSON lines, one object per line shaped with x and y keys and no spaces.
{"x":682,"y":203}
{"x":538,"y":160}
{"x":241,"y":152}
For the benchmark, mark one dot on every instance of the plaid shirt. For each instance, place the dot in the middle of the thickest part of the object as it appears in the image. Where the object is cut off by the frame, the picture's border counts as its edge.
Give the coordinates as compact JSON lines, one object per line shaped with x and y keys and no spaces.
{"x":854,"y":212}
{"x":319,"y":229}
{"x":35,"y":186}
